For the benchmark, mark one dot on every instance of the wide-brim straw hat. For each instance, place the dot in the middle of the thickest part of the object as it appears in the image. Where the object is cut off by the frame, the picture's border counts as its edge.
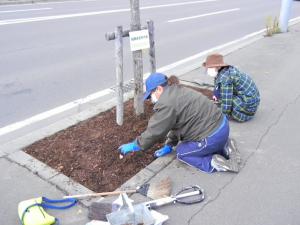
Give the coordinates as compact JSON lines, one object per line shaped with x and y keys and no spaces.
{"x":214,"y":60}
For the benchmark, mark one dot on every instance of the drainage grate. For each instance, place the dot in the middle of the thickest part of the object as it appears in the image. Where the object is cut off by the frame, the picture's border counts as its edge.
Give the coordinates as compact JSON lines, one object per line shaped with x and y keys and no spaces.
{"x":127,"y":87}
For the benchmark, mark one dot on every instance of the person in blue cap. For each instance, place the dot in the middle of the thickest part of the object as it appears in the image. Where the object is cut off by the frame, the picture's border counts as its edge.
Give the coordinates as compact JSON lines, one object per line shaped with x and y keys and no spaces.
{"x":190,"y":122}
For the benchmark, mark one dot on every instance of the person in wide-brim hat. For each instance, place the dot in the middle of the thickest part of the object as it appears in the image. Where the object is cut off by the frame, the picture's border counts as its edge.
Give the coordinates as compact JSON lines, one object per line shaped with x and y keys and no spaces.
{"x":214,"y":60}
{"x":189,"y":122}
{"x":234,"y":90}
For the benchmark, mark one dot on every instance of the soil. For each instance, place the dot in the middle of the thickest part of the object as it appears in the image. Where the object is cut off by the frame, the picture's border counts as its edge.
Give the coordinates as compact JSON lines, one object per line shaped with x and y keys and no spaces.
{"x":88,"y":151}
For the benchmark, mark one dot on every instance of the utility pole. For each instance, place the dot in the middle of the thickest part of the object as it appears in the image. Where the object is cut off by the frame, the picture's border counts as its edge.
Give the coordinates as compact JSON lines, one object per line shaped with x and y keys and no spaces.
{"x":285,"y":12}
{"x":137,"y":59}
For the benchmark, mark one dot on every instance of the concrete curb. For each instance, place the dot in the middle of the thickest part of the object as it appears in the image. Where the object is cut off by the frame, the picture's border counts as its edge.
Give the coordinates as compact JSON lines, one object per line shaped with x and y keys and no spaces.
{"x":147,"y":173}
{"x":46,"y":173}
{"x":12,"y":150}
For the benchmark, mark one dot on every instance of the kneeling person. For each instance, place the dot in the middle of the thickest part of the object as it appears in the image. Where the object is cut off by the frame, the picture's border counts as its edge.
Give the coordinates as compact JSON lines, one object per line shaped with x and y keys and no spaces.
{"x":190,"y":121}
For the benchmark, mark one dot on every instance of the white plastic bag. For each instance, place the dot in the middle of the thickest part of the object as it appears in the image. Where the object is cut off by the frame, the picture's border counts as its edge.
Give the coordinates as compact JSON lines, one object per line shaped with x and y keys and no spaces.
{"x":97,"y":222}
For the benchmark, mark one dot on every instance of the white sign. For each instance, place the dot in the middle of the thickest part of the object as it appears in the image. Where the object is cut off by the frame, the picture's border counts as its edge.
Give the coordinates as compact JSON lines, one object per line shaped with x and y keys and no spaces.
{"x":139,"y":40}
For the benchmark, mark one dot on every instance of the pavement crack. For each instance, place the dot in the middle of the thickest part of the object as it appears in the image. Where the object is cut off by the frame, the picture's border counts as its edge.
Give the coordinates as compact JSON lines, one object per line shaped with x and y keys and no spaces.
{"x":211,"y":200}
{"x":272,"y":125}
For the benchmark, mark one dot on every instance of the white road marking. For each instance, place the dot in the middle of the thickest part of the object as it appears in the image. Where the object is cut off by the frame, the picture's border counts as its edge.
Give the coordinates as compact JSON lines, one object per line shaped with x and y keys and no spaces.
{"x":24,"y":10}
{"x":18,"y":125}
{"x":204,"y":53}
{"x":35,"y":19}
{"x":294,"y":21}
{"x":203,"y":15}
{"x":177,"y":4}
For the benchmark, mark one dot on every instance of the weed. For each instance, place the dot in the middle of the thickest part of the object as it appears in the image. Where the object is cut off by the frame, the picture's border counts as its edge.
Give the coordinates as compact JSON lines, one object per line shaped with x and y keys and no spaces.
{"x":272,"y":26}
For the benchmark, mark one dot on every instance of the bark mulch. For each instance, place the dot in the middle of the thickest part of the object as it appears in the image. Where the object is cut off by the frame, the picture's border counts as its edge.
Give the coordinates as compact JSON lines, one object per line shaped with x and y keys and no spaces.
{"x":87,"y":152}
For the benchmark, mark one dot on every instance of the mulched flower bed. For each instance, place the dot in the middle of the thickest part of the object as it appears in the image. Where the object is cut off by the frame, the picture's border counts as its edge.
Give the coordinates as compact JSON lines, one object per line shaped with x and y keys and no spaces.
{"x":88,"y":151}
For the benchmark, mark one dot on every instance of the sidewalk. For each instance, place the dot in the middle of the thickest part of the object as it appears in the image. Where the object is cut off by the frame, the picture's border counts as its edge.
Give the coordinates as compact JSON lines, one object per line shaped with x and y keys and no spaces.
{"x":266,"y":189}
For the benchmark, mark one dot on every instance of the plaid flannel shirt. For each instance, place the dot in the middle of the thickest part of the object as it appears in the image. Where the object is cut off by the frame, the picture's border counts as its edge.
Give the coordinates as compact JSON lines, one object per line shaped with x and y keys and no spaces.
{"x":237,"y":93}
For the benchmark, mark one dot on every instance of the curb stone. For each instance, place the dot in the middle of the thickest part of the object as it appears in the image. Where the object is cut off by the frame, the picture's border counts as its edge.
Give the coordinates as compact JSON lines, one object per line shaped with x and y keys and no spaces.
{"x":148,"y":172}
{"x":62,"y":182}
{"x":32,"y":164}
{"x":71,"y":187}
{"x":160,"y":163}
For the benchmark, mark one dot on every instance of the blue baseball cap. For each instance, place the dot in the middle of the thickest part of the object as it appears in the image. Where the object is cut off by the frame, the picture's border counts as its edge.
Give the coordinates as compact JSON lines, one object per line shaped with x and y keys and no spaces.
{"x":153,"y":81}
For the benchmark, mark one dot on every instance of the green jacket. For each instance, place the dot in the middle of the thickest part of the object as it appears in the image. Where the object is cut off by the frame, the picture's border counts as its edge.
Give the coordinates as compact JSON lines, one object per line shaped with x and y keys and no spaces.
{"x":181,"y":114}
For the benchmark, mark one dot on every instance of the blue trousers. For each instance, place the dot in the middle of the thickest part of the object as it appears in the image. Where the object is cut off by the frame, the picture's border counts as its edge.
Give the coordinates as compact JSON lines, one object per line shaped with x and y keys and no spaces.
{"x":199,"y":153}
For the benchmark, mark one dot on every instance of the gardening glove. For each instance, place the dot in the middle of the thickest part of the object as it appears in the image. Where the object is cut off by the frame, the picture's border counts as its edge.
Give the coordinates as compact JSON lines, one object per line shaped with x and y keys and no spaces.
{"x":215,"y":99}
{"x":163,"y":151}
{"x":130,"y":147}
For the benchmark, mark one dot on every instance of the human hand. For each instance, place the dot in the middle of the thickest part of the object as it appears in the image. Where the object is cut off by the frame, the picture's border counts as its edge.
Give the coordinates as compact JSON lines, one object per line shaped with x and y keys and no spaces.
{"x":215,"y":99}
{"x":129,"y":147}
{"x":163,"y":151}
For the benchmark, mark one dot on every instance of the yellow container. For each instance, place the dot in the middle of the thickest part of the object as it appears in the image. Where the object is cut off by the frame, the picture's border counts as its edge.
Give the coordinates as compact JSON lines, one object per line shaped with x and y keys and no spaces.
{"x":31,"y":213}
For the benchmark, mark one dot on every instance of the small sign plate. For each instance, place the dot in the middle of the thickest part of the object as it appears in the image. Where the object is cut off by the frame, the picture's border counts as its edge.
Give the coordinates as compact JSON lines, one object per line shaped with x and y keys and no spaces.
{"x":139,"y":40}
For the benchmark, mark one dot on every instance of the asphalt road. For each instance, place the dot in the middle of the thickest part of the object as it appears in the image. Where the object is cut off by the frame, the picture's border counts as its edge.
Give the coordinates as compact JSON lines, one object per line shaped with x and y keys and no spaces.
{"x":55,"y":53}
